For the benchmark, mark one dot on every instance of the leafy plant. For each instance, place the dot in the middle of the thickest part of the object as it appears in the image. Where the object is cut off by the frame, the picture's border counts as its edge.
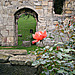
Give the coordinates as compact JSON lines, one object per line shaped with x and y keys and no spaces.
{"x":55,"y":61}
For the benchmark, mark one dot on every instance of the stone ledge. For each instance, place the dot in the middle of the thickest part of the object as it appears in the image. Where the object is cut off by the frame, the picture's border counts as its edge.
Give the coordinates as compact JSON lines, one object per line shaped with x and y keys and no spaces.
{"x":26,"y":43}
{"x":4,"y":57}
{"x":14,"y":52}
{"x":22,"y":59}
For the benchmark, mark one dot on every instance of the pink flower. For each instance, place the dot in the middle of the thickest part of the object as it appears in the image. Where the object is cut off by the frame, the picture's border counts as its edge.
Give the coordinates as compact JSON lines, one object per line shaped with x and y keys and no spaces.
{"x":39,"y":36}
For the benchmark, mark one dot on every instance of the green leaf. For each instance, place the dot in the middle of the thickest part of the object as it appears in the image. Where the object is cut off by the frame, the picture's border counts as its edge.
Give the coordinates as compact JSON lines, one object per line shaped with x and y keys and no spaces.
{"x":73,"y":71}
{"x":70,"y":73}
{"x":35,"y":63}
{"x":61,"y":34}
{"x":73,"y":50}
{"x":45,"y":56}
{"x":66,"y":68}
{"x":43,"y":62}
{"x":51,"y":49}
{"x":47,"y":47}
{"x":66,"y":55}
{"x":59,"y":55}
{"x":54,"y":48}
{"x":67,"y":50}
{"x":60,"y":43}
{"x":61,"y":71}
{"x":61,"y":49}
{"x":58,"y":61}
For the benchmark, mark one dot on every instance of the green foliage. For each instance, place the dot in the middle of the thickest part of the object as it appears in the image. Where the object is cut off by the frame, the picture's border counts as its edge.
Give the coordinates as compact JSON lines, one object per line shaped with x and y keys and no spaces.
{"x":25,"y":23}
{"x":54,"y":61}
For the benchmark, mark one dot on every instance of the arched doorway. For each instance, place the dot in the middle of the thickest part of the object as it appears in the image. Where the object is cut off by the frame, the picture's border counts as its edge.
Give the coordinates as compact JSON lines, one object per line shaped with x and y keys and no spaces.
{"x":25,"y":24}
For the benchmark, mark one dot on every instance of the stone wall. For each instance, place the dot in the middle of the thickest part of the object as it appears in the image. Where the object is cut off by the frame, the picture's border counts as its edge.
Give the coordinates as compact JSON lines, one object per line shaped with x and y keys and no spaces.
{"x":68,"y":11}
{"x":9,"y":7}
{"x":69,"y":7}
{"x":44,"y":9}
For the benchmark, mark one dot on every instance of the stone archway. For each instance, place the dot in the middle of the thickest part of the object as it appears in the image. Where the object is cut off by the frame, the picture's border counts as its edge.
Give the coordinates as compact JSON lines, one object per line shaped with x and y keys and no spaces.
{"x":17,"y":15}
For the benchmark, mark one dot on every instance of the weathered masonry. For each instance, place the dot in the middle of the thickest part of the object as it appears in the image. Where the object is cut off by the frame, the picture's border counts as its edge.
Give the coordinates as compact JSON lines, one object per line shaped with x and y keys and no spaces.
{"x":42,"y":10}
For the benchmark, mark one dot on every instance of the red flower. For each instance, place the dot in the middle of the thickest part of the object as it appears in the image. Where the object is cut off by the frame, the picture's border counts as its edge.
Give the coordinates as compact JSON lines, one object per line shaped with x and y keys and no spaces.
{"x":69,"y":24}
{"x":45,"y":50}
{"x":39,"y":36}
{"x":56,"y":24}
{"x":58,"y":47}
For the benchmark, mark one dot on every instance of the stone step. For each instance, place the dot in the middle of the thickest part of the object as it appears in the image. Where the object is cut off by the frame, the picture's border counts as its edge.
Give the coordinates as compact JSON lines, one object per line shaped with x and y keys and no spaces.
{"x":19,"y":64}
{"x":14,"y":52}
{"x":6,"y":54}
{"x":22,"y":59}
{"x":4,"y":57}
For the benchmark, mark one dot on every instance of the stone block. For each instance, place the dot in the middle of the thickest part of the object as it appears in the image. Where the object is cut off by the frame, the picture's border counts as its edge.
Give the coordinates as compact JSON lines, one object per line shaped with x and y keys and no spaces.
{"x":55,"y":22}
{"x":45,"y":12}
{"x":12,"y":23}
{"x":14,"y":2}
{"x":4,"y":57}
{"x":38,"y":7}
{"x":49,"y":11}
{"x":7,"y":3}
{"x":2,"y":27}
{"x":12,"y":33}
{"x":4,"y":33}
{"x":44,"y":3}
{"x":5,"y":15}
{"x":10,"y":39}
{"x":20,"y":0}
{"x":22,"y":59}
{"x":42,"y":27}
{"x":68,"y":12}
{"x":69,"y":5}
{"x":45,"y":7}
{"x":41,"y":18}
{"x":5,"y":23}
{"x":26,"y":43}
{"x":40,"y":0}
{"x":9,"y":27}
{"x":7,"y":44}
{"x":4,"y":39}
{"x":0,"y":8}
{"x":35,"y":0}
{"x":37,"y":3}
{"x":49,"y":22}
{"x":14,"y":52}
{"x":50,"y":4}
{"x":40,"y":12}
